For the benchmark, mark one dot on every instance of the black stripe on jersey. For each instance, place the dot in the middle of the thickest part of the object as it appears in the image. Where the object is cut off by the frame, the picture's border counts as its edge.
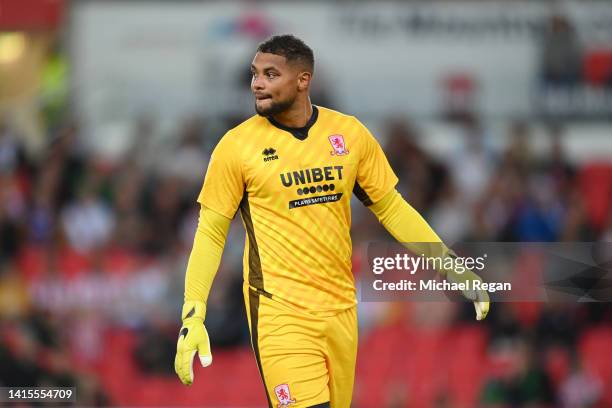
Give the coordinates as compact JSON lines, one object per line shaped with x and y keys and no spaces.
{"x":362,"y":195}
{"x":302,"y":132}
{"x":254,"y":311}
{"x":255,"y":273}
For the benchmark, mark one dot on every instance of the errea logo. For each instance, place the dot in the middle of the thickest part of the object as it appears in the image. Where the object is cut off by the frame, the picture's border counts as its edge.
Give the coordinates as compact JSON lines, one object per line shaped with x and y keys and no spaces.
{"x":269,"y":154}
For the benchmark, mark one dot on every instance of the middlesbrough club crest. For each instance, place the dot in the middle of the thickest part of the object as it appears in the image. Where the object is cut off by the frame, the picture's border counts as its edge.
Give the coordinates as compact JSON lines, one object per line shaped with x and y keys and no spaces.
{"x":337,"y":142}
{"x":283,"y":395}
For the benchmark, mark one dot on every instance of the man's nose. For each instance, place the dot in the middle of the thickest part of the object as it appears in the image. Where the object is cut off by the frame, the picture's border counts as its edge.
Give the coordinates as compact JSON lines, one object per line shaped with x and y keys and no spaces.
{"x":256,"y":83}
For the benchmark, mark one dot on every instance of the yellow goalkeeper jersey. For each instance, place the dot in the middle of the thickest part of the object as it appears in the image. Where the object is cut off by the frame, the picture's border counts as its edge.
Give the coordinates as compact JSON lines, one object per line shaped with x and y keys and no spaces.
{"x":293,"y":187}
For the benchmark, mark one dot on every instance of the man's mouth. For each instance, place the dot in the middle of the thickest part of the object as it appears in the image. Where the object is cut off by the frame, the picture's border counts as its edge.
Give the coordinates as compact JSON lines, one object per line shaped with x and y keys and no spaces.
{"x":262,"y":97}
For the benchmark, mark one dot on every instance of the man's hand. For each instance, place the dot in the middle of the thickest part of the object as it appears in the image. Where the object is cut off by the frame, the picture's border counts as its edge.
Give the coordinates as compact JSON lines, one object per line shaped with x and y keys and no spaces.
{"x":192,"y":337}
{"x":481,"y":304}
{"x":479,"y":297}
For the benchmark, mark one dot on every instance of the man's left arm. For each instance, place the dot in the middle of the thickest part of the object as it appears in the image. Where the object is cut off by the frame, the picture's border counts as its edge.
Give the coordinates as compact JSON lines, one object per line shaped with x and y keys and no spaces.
{"x":375,"y":188}
{"x":409,"y":228}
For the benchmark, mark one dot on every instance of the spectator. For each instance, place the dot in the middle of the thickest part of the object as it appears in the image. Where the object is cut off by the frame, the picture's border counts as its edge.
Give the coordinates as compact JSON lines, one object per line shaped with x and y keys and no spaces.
{"x":188,"y":161}
{"x":472,"y":166}
{"x":87,"y":222}
{"x":522,"y":383}
{"x":561,"y":53}
{"x":580,"y":389}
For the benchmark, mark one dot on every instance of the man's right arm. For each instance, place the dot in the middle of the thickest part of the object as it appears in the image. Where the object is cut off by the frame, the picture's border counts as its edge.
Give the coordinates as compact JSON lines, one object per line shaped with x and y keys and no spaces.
{"x":202,"y":267}
{"x":220,"y":197}
{"x":206,"y":254}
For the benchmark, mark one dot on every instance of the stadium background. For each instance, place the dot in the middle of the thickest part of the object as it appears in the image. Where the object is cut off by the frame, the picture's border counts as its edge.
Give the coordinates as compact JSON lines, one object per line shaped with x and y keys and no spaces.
{"x":495,"y":116}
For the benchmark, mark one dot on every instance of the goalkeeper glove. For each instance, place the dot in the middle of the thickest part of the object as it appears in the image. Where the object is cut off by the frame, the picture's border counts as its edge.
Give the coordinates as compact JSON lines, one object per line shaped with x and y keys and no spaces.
{"x":481,"y":304}
{"x":479,"y":297}
{"x":192,"y":337}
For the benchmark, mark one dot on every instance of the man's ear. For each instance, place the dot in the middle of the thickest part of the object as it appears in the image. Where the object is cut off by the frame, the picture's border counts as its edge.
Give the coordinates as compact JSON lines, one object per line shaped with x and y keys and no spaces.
{"x":304,"y":81}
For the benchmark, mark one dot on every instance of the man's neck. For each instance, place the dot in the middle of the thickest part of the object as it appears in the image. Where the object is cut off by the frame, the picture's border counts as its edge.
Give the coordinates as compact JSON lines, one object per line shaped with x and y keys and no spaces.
{"x":295,"y":117}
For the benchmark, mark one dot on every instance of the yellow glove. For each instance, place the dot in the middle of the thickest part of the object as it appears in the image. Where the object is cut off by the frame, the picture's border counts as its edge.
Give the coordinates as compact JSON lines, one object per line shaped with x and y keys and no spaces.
{"x":481,"y":304}
{"x":479,"y":297}
{"x":192,"y":337}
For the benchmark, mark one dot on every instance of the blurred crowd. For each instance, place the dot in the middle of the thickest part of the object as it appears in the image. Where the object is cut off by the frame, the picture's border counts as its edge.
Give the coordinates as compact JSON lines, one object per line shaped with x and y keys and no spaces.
{"x":88,"y":244}
{"x":536,"y":352}
{"x":94,"y":246}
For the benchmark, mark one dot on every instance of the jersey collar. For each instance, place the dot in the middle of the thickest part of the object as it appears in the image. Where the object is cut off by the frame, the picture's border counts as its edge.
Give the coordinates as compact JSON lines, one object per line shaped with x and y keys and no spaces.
{"x":300,"y":133}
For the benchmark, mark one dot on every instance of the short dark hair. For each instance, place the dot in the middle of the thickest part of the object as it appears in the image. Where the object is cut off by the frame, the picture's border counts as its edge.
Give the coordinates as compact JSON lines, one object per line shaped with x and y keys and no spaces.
{"x":290,"y":47}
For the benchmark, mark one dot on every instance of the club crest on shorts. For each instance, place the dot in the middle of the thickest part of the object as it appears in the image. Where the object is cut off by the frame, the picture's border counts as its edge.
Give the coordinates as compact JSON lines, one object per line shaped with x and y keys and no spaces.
{"x":283,"y":395}
{"x":337,"y":142}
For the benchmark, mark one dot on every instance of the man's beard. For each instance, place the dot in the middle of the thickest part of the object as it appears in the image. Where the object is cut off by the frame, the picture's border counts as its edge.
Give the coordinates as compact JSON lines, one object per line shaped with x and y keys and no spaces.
{"x":275,"y":108}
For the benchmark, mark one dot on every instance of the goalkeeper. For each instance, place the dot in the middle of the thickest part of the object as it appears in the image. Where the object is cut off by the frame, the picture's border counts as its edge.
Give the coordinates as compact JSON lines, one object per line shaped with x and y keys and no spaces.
{"x":290,"y":171}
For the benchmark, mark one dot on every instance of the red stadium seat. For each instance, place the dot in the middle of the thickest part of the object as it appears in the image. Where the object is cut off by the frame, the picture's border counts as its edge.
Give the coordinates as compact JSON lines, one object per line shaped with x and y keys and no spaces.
{"x":32,"y":262}
{"x":557,"y":365}
{"x":378,"y":355}
{"x":595,"y":348}
{"x":420,"y":367}
{"x":597,"y":67}
{"x":426,"y":365}
{"x":466,"y":364}
{"x":119,"y":261}
{"x":118,"y":371}
{"x":232,"y":380}
{"x":596,"y":187}
{"x":73,"y":263}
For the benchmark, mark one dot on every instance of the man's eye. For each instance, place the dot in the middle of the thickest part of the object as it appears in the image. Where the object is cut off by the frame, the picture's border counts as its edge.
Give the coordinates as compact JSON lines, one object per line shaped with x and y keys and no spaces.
{"x":271,"y":75}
